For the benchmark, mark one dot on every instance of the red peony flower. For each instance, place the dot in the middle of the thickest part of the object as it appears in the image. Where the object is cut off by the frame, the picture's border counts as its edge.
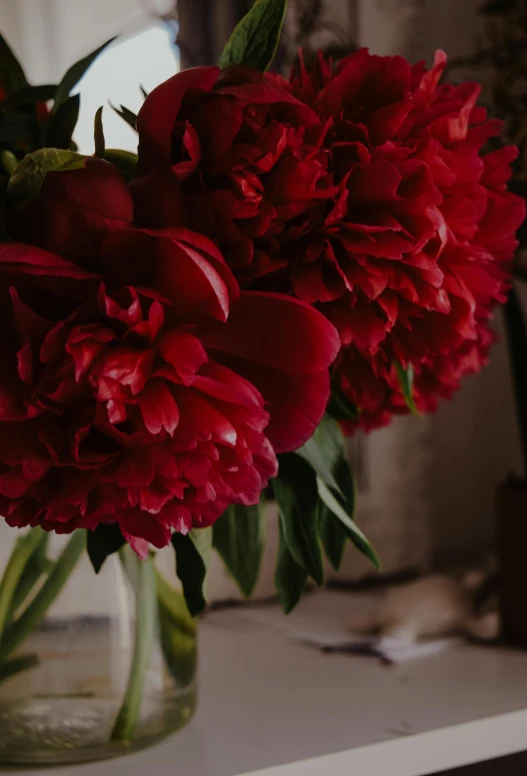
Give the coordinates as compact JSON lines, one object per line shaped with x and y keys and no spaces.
{"x":364,"y":191}
{"x":235,"y":156}
{"x":147,"y":392}
{"x":417,"y":250}
{"x":73,"y":212}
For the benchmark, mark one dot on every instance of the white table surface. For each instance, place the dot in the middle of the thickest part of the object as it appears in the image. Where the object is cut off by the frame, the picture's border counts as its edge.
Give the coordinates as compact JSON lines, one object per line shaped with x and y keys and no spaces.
{"x":267,"y":704}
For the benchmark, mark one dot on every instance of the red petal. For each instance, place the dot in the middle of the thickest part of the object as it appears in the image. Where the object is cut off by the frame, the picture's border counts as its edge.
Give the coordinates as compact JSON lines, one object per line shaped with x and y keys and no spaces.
{"x":137,"y":469}
{"x":193,"y":275}
{"x":136,"y":524}
{"x":139,"y":546}
{"x":26,"y":321}
{"x":199,"y":420}
{"x":277,"y":331}
{"x":167,"y":208}
{"x":185,"y":267}
{"x":184,"y":352}
{"x":156,"y":118}
{"x":226,"y":385}
{"x":27,"y":260}
{"x":125,"y":366}
{"x":296,"y":403}
{"x":160,"y":411}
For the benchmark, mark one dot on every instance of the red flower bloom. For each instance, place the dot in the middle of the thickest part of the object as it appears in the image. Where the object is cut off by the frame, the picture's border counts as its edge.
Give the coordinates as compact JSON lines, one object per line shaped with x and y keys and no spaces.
{"x":363,"y":191}
{"x":373,"y":384}
{"x":417,"y":250}
{"x":73,"y":212}
{"x":123,"y":395}
{"x":233,"y":155}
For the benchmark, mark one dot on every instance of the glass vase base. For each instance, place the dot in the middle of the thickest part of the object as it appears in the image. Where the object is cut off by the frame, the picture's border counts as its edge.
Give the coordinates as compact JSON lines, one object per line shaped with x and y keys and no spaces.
{"x":59,"y":731}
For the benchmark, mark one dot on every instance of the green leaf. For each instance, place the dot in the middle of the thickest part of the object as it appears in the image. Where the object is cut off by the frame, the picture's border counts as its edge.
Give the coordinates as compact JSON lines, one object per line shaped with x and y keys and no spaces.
{"x":98,"y":134}
{"x":192,"y":562}
{"x":102,"y":542}
{"x":62,"y":123}
{"x":334,"y":532}
{"x":29,"y":95}
{"x":311,"y":453}
{"x":12,"y":76}
{"x":74,"y":75}
{"x":16,"y":665}
{"x":340,"y":407}
{"x":173,"y":602}
{"x":295,"y":490}
{"x":128,"y":115}
{"x":516,"y":329}
{"x":354,"y":533}
{"x":290,"y":578}
{"x":406,"y":380}
{"x":27,"y":179}
{"x":239,"y":537}
{"x":124,"y":161}
{"x":324,"y":449}
{"x":179,"y":649}
{"x":333,"y":536}
{"x":255,"y":40}
{"x":177,"y":631}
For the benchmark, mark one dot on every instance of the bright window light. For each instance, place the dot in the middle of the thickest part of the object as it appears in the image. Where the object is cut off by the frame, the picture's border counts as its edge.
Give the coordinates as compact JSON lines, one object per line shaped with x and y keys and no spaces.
{"x":144,"y":59}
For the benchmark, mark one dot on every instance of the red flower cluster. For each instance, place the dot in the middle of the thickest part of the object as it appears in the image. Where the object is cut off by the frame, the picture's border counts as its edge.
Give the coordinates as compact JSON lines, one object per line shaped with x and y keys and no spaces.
{"x":236,"y":156}
{"x":137,"y":385}
{"x":140,"y":386}
{"x":363,"y":191}
{"x":426,"y":232}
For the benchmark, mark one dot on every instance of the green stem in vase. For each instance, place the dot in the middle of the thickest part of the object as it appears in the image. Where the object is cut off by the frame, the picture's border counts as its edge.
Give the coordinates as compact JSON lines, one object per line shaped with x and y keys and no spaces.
{"x":17,"y":664}
{"x":35,"y":612}
{"x":145,"y":629}
{"x":38,"y":565}
{"x":25,"y":548}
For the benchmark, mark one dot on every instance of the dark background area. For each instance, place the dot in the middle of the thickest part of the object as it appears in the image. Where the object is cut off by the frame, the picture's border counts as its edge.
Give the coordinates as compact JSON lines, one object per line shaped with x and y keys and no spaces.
{"x":506,"y":766}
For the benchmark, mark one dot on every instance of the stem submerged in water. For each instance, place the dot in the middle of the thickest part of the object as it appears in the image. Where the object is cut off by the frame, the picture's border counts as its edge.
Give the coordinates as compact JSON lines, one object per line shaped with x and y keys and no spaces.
{"x":24,"y":549}
{"x":33,"y":615}
{"x":145,"y":629}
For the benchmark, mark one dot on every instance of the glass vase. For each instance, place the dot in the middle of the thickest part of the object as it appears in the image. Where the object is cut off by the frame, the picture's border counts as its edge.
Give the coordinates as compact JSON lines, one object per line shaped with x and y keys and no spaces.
{"x":91,"y":666}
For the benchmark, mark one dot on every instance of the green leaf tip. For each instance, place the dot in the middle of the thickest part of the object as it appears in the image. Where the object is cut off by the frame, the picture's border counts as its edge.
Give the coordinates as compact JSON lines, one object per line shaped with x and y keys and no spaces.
{"x":255,"y":40}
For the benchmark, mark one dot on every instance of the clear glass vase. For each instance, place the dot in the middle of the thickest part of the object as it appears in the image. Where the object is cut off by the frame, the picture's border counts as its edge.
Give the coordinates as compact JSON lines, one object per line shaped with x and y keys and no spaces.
{"x":91,"y":666}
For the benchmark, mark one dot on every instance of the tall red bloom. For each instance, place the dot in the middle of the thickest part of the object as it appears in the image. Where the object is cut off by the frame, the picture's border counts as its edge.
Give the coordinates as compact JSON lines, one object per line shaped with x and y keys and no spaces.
{"x":147,"y":391}
{"x":419,"y":251}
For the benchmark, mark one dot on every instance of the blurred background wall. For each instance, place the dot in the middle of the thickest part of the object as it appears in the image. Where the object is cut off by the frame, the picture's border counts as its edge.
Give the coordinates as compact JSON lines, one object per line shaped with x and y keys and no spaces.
{"x":450,"y":466}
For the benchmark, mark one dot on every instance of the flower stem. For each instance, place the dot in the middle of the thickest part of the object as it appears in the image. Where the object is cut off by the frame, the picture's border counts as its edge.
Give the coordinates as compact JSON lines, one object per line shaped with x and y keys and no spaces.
{"x":25,"y":547}
{"x":38,"y":565}
{"x":145,"y":627}
{"x":17,"y":664}
{"x":35,"y":612}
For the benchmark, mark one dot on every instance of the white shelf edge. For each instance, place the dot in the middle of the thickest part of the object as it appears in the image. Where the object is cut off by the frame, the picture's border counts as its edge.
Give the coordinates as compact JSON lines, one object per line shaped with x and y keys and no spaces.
{"x":420,"y":754}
